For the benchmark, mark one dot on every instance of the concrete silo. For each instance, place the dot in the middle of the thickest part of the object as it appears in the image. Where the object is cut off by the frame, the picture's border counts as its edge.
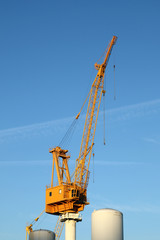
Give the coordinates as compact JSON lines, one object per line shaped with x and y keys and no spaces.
{"x":107,"y":224}
{"x":42,"y":235}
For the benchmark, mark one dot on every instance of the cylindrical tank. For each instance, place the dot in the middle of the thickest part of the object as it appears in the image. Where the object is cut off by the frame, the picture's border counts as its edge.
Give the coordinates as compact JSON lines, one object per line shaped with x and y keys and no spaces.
{"x":107,"y":224}
{"x":42,"y":235}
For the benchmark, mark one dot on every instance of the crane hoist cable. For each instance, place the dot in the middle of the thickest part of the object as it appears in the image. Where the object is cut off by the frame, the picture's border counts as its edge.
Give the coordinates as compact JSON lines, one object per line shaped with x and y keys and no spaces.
{"x":93,"y":163}
{"x":114,"y":82}
{"x":104,"y":108}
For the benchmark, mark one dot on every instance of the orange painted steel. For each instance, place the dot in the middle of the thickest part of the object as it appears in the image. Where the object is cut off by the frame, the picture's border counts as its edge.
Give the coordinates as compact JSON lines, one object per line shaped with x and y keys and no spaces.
{"x":71,"y":195}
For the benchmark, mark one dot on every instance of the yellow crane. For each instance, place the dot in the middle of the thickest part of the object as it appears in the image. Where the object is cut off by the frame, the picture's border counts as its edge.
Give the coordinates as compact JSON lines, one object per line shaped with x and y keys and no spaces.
{"x":71,"y":195}
{"x":57,"y":230}
{"x":29,"y":227}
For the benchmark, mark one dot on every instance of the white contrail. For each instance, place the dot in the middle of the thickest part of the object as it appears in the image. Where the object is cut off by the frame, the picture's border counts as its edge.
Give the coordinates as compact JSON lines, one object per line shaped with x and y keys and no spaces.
{"x":22,"y":163}
{"x":51,"y":127}
{"x":127,"y":208}
{"x":43,"y":163}
{"x":116,"y":163}
{"x":37,"y":129}
{"x":102,"y":202}
{"x":134,"y":111}
{"x":152,"y":140}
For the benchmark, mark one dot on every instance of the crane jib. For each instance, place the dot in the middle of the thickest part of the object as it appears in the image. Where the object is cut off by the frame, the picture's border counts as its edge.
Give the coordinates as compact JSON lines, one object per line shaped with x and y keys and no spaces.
{"x":82,"y":169}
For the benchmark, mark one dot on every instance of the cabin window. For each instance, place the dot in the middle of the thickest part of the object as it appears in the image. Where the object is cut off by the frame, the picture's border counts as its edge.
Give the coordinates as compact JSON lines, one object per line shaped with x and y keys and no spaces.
{"x":74,"y":193}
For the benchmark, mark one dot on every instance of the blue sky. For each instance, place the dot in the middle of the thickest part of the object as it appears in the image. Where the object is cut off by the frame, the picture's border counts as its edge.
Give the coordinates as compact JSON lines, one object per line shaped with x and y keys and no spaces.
{"x":47,"y":55}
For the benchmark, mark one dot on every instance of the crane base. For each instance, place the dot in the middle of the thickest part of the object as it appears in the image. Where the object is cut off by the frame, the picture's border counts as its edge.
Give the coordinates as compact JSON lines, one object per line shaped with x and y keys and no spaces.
{"x":70,"y":220}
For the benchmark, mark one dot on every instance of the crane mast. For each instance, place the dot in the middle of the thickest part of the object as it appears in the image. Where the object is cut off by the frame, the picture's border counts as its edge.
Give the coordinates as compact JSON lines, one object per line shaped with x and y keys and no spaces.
{"x":71,"y":196}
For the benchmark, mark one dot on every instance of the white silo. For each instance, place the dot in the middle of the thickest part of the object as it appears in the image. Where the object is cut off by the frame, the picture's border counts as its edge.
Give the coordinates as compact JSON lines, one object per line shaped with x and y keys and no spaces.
{"x":42,"y":235}
{"x":107,"y":224}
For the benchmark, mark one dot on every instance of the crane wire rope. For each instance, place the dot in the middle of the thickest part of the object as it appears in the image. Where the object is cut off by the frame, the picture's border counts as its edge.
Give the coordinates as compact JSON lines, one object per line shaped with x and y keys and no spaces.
{"x":70,"y":132}
{"x":104,"y":121}
{"x":66,"y":136}
{"x":42,"y":220}
{"x":114,"y":70}
{"x":104,"y":111}
{"x":36,"y":219}
{"x":72,"y":127}
{"x":103,"y":54}
{"x":93,"y":163}
{"x":114,"y":82}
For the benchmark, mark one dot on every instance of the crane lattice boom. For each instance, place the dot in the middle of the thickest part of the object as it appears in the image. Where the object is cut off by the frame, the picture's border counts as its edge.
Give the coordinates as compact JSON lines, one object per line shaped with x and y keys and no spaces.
{"x":82,"y":169}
